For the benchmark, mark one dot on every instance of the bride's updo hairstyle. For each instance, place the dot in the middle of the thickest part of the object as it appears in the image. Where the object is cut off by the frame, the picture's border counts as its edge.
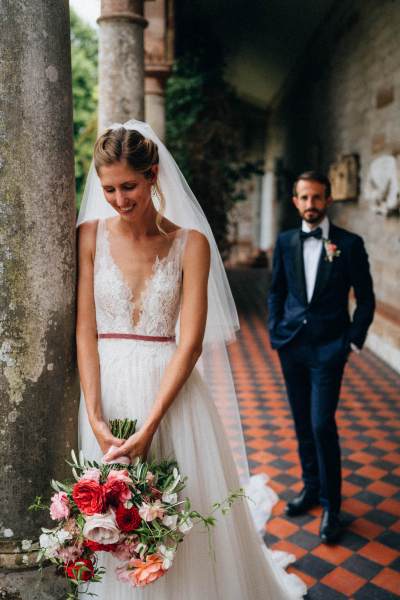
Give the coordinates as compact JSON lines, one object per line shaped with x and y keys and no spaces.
{"x":140,"y":153}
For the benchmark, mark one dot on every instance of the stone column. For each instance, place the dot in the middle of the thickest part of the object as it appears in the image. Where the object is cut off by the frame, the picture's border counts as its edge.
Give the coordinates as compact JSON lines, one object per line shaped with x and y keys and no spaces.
{"x":159,"y":53}
{"x":156,"y":77}
{"x":267,"y":224}
{"x":121,"y":61}
{"x":38,"y":377}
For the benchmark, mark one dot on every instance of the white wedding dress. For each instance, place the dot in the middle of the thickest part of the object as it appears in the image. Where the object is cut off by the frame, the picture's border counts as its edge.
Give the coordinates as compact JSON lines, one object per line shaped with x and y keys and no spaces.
{"x":191,"y":432}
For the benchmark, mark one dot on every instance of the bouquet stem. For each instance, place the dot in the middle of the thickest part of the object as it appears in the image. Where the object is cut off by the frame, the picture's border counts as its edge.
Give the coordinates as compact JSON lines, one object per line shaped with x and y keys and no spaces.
{"x":122,"y":428}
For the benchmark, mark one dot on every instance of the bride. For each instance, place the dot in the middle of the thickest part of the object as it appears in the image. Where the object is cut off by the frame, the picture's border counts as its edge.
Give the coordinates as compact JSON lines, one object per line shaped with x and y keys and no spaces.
{"x":149,"y":270}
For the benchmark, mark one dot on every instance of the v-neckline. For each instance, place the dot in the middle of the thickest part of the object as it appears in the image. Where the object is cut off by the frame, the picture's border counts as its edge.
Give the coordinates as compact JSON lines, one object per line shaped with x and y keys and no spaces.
{"x":137,"y":303}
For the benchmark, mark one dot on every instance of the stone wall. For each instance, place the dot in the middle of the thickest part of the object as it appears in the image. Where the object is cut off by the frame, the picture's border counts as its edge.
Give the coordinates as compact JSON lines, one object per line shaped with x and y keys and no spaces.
{"x":344,"y":98}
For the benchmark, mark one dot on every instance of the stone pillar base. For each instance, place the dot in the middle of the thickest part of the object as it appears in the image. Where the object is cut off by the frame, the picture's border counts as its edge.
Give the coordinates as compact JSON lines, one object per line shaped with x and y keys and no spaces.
{"x":14,"y":557}
{"x":32,"y":585}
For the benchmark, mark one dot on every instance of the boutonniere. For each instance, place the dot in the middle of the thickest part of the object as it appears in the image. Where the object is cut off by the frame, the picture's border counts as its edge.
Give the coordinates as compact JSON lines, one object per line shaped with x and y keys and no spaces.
{"x":332,"y":251}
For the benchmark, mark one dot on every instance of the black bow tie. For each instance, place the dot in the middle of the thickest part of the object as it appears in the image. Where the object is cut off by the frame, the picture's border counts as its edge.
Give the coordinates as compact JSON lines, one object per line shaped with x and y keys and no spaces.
{"x":314,"y":233}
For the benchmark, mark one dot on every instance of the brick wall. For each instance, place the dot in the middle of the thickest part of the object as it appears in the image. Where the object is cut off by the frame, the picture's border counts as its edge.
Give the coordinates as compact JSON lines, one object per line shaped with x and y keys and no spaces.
{"x":329,"y":107}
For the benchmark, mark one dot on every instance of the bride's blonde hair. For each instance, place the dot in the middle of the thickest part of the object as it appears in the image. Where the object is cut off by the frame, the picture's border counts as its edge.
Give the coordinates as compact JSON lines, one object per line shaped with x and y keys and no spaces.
{"x":140,"y":153}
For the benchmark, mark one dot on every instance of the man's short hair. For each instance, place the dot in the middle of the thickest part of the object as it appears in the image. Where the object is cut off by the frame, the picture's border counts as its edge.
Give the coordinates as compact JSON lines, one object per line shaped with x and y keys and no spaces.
{"x":313,"y":176}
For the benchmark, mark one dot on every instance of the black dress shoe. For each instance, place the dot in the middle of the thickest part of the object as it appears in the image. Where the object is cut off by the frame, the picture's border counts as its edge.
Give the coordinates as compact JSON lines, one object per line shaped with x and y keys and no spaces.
{"x":302,"y":503}
{"x":331,"y":527}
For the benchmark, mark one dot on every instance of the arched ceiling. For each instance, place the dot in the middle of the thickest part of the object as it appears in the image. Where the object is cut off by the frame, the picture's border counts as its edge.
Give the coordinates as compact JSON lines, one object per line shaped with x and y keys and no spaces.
{"x":262,"y":39}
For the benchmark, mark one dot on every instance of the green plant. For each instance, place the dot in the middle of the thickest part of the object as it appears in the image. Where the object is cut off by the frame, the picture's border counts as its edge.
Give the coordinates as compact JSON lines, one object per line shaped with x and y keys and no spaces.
{"x":84,"y":56}
{"x":205,"y":134}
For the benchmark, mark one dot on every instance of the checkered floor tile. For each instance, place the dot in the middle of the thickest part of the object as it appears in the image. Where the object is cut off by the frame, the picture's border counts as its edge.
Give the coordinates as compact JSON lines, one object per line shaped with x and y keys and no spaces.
{"x":365,"y":564}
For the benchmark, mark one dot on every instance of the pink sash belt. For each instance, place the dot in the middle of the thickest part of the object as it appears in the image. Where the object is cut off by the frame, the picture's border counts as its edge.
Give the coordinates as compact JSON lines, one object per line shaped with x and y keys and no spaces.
{"x":133,"y":336}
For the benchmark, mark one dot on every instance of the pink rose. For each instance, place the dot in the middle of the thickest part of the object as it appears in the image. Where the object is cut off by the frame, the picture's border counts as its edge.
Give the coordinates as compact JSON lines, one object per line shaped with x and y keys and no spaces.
{"x":91,"y":474}
{"x":123,"y":475}
{"x":102,"y":528}
{"x":59,"y":508}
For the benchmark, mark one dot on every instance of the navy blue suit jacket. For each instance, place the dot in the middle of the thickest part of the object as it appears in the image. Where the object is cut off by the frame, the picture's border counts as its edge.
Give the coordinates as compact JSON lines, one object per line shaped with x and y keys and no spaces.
{"x":326,"y":316}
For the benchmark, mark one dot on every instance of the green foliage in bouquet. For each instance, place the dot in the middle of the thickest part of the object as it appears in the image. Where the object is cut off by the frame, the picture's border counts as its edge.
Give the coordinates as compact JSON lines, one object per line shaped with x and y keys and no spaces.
{"x":137,"y":512}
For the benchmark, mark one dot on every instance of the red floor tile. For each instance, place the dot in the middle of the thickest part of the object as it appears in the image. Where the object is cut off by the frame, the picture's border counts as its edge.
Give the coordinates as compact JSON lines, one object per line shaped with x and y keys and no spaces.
{"x":343,"y":581}
{"x":369,"y":429}
{"x":388,"y":580}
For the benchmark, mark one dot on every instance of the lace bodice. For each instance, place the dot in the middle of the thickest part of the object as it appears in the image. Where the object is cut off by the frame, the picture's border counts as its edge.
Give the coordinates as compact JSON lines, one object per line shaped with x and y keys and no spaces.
{"x":159,"y":301}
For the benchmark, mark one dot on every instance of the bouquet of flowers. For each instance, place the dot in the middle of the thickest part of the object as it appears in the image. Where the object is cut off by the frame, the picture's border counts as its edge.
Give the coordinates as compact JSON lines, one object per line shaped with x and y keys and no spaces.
{"x":135,"y":511}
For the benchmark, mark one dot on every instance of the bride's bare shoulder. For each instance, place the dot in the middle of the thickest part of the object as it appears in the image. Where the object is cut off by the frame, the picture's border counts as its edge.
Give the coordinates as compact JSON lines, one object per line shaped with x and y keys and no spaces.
{"x":88,"y":228}
{"x":197,"y":247}
{"x":87,"y":232}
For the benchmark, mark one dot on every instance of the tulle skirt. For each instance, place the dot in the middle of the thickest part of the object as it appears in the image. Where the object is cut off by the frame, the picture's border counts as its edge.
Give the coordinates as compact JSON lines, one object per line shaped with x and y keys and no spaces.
{"x":239,"y":567}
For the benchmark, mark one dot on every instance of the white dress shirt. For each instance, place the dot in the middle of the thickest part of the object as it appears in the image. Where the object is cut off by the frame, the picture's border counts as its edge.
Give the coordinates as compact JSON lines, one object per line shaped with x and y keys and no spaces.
{"x":312,"y":249}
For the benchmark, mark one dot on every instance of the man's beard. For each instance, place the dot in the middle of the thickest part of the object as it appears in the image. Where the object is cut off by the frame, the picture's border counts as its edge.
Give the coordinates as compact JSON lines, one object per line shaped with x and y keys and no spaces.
{"x":314,"y":216}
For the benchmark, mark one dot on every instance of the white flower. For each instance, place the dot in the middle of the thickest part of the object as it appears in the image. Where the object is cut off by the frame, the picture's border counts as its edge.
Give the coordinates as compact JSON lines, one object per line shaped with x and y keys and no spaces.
{"x":63,"y":535}
{"x":26,"y":544}
{"x":51,"y":541}
{"x":170,"y":521}
{"x":46,"y":540}
{"x":50,"y":544}
{"x":102,"y":528}
{"x":169,"y":498}
{"x":140,"y":549}
{"x":168,"y":554}
{"x":186,"y":525}
{"x":8,"y":533}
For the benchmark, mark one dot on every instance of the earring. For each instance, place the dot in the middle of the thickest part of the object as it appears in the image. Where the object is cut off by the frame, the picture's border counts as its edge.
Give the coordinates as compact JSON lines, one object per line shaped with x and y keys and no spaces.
{"x":154,"y":196}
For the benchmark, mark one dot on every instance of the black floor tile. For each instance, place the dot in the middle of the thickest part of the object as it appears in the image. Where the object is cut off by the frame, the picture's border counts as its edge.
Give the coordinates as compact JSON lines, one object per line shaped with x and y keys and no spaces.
{"x":380,"y":517}
{"x":281,"y":464}
{"x":347,"y":463}
{"x":314,"y":566}
{"x":352,"y":541}
{"x":270,"y":539}
{"x":285,"y":479}
{"x":384,"y":464}
{"x":305,"y":539}
{"x":369,"y":497}
{"x":392,"y":479}
{"x":390,"y":538}
{"x":372,"y":592}
{"x":395,"y":565}
{"x":323,"y":592}
{"x":361,"y":566}
{"x":358,"y":480}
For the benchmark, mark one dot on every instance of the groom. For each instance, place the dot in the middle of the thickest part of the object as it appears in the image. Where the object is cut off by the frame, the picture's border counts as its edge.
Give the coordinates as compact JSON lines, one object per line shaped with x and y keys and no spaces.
{"x":309,"y":323}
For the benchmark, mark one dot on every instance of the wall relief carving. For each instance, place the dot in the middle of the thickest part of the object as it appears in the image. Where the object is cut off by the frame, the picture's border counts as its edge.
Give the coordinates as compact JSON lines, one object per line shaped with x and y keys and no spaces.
{"x":382,"y":185}
{"x":344,"y":177}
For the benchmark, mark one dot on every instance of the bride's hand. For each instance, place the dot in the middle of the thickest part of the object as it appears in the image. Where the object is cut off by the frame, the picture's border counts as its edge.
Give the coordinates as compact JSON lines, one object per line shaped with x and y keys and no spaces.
{"x":105,"y":438}
{"x":137,"y":445}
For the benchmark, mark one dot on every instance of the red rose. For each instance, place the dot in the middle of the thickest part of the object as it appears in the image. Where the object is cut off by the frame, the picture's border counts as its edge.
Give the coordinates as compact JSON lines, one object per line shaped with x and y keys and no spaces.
{"x":81,"y":569}
{"x":96,"y":547}
{"x":127,"y":519}
{"x":89,"y":496}
{"x":116,"y":492}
